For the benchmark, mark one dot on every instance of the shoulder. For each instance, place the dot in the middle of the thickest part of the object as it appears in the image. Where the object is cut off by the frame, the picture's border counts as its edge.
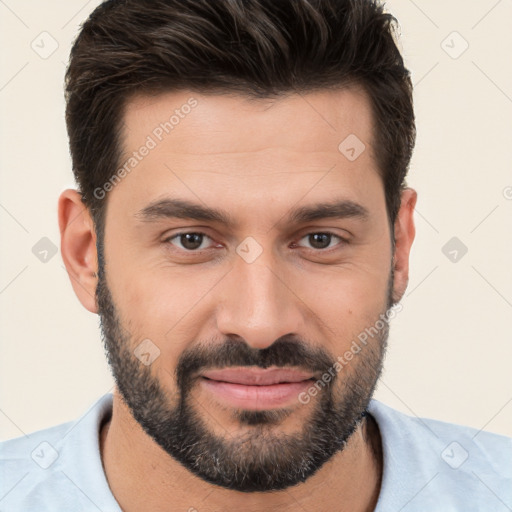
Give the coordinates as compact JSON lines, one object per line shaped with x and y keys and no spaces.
{"x":57,"y":468}
{"x":435,"y":463}
{"x":488,"y":448}
{"x":29,"y":468}
{"x":36,"y":445}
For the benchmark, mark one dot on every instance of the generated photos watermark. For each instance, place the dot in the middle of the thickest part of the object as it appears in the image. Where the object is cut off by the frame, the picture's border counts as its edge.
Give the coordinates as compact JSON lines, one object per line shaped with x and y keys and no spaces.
{"x":152,"y":140}
{"x":355,"y":348}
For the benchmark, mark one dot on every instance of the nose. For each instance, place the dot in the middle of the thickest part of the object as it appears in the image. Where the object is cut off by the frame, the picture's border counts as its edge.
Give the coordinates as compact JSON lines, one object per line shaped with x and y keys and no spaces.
{"x":258,"y":304}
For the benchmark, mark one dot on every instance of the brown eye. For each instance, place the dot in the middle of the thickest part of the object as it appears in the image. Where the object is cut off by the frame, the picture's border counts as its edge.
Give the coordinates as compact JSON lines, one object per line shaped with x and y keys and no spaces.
{"x":189,"y":241}
{"x":321,"y":240}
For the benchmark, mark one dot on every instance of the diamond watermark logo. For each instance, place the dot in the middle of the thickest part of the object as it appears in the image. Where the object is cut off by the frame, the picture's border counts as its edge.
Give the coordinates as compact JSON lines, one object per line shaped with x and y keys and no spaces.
{"x":454,"y":249}
{"x":249,"y":250}
{"x":454,"y":45}
{"x":352,"y":147}
{"x":146,"y":352}
{"x":45,"y":45}
{"x":454,"y":455}
{"x":44,"y":455}
{"x":44,"y":250}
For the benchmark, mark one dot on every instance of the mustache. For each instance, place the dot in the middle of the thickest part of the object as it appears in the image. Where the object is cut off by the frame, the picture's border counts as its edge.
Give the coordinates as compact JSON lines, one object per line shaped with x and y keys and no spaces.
{"x":287,"y":351}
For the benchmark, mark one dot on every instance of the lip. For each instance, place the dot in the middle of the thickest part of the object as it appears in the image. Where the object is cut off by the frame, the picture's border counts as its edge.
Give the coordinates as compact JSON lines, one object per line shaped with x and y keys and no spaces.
{"x":256,"y":389}
{"x":258,"y":376}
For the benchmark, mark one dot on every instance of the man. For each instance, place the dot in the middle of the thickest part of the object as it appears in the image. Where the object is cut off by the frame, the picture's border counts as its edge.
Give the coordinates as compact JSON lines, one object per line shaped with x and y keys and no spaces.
{"x":243,"y":228}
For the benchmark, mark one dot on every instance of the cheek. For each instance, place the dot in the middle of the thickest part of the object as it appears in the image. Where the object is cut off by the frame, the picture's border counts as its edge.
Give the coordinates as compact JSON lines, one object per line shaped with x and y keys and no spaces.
{"x":167,"y":305}
{"x":346,"y":300}
{"x":174,"y":305}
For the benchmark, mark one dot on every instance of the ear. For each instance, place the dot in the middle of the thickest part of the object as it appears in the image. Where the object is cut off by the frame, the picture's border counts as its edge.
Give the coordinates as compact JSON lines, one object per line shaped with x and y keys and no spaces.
{"x":78,"y":247}
{"x":404,"y":237}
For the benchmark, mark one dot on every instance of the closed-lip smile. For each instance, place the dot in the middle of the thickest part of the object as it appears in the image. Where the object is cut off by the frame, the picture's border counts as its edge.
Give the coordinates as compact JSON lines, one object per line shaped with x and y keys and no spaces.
{"x":255,"y":388}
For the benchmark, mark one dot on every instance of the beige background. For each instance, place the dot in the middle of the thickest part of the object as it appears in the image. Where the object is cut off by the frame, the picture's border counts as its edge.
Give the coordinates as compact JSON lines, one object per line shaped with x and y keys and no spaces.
{"x":450,"y":348}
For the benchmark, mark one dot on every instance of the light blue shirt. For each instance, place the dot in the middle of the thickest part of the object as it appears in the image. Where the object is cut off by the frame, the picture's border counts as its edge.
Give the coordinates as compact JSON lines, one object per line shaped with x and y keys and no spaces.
{"x":429,"y":466}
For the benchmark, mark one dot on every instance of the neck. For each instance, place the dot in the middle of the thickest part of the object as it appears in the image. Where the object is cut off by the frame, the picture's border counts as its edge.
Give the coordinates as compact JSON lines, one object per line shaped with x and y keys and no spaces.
{"x":144,"y":477}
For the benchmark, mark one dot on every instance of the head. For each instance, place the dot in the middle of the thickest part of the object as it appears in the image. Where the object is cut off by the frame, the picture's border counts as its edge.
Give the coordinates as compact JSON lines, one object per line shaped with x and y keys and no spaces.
{"x":241,"y":176}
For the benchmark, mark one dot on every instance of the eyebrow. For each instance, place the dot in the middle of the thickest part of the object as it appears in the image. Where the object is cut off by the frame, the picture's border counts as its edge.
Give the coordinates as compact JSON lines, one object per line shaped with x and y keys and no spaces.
{"x":169,"y":208}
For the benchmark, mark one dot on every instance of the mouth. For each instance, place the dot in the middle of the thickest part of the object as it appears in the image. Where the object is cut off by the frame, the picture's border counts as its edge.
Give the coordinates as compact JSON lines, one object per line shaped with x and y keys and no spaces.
{"x":255,"y":388}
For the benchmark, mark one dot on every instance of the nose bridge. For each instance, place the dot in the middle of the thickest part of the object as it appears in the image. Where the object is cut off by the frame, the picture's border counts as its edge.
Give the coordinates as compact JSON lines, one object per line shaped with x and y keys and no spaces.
{"x":256,"y":304}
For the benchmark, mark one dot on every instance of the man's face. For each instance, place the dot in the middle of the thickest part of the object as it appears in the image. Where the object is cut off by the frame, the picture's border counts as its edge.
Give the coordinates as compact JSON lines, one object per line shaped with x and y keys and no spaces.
{"x":269,"y":289}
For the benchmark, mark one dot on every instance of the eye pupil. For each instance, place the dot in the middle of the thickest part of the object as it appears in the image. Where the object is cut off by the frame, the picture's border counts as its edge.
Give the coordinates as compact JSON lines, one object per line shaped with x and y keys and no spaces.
{"x":191,"y":240}
{"x":320,"y":239}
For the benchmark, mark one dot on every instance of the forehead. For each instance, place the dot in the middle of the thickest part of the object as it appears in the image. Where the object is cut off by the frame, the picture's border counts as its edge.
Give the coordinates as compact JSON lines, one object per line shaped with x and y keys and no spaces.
{"x":227,"y":148}
{"x":311,"y":122}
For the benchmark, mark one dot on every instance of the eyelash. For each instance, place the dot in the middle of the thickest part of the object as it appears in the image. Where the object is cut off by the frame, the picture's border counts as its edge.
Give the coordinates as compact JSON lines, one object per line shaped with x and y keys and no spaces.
{"x":343,"y":241}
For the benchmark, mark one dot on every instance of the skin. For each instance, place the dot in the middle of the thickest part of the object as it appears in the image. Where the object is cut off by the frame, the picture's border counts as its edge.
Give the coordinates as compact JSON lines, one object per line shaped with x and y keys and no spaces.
{"x":257,"y":160}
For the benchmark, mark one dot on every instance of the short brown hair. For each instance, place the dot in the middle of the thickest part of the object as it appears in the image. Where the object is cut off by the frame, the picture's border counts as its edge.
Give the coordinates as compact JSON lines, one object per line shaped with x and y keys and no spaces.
{"x":257,"y":48}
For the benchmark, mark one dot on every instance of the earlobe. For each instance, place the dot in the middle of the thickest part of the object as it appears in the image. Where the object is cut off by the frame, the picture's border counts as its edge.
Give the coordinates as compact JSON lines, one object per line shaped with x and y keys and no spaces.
{"x":404,"y":237}
{"x":78,"y":247}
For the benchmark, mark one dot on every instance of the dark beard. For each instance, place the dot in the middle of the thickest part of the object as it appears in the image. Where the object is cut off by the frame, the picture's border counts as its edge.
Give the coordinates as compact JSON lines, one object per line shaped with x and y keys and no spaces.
{"x":260,"y":459}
